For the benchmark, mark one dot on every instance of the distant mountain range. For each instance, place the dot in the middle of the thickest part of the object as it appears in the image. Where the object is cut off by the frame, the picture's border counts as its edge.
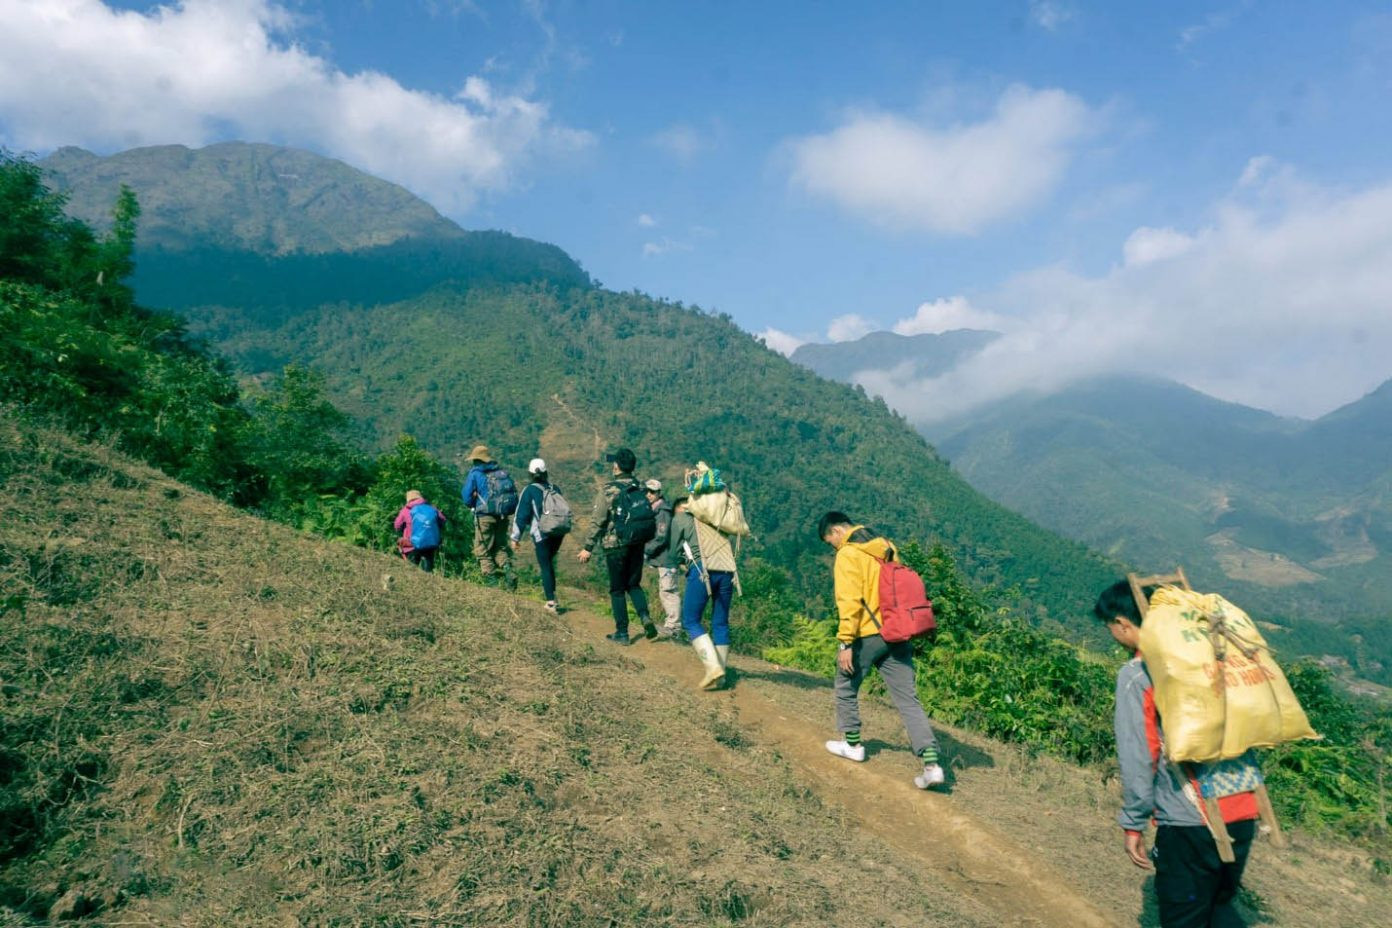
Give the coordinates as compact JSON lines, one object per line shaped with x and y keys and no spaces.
{"x":459,"y":337}
{"x":914,"y":357}
{"x":1295,"y":516}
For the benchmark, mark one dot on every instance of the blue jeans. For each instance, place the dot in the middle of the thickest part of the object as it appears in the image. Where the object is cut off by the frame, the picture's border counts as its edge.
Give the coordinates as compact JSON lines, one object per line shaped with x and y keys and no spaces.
{"x":722,"y":590}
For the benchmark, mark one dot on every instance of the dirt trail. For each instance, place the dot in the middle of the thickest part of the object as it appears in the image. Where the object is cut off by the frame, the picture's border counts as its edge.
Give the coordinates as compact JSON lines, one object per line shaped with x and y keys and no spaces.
{"x":955,"y":848}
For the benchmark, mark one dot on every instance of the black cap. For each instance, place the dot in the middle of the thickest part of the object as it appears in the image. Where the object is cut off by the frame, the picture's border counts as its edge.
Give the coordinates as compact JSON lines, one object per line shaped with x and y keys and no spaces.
{"x":625,"y":458}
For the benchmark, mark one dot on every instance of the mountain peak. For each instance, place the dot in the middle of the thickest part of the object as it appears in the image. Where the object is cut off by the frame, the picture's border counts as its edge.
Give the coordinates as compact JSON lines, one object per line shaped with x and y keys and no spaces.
{"x":245,"y":196}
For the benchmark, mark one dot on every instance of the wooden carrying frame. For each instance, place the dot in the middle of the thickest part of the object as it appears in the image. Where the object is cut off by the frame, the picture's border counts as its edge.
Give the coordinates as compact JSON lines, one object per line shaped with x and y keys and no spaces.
{"x":1213,"y":816}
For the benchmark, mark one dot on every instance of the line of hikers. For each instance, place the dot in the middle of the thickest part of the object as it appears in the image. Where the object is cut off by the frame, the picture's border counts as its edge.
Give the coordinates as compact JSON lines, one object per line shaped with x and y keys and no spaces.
{"x":691,"y":542}
{"x":1199,"y":851}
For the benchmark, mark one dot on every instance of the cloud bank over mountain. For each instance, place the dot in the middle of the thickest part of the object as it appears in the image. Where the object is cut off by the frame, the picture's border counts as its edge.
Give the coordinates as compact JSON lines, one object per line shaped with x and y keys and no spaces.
{"x":1282,"y":301}
{"x":77,"y":72}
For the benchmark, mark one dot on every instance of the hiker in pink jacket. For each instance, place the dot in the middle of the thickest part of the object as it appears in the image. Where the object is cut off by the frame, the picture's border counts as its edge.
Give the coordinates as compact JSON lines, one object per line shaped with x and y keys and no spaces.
{"x":420,"y":525}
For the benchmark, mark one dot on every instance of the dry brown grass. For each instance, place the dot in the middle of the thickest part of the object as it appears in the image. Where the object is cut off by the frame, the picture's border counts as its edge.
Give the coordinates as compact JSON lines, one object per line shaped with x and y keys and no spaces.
{"x":213,"y":720}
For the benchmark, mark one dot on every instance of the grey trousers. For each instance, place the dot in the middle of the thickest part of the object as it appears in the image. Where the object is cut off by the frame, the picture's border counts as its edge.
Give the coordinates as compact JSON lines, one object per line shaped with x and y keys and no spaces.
{"x":895,"y":662}
{"x":669,"y":594}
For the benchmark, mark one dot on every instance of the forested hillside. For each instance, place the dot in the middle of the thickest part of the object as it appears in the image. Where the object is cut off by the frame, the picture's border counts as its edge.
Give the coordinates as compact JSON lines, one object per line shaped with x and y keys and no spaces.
{"x":1293,"y":517}
{"x":561,"y":366}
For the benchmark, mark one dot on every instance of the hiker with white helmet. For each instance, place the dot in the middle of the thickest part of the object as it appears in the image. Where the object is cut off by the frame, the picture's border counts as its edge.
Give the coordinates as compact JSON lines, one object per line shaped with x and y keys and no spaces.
{"x":544,"y":515}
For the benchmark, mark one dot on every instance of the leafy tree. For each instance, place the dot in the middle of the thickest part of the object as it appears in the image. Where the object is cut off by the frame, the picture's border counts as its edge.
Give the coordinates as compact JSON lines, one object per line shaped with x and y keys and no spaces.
{"x":297,"y":440}
{"x":74,"y":347}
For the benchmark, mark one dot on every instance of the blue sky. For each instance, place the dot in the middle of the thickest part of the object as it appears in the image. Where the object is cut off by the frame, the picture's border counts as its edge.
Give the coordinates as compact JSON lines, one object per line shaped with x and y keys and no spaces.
{"x":1075,"y":174}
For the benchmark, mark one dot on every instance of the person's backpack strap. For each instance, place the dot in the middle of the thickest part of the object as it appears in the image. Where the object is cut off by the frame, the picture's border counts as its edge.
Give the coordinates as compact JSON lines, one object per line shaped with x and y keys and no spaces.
{"x":868,"y":611}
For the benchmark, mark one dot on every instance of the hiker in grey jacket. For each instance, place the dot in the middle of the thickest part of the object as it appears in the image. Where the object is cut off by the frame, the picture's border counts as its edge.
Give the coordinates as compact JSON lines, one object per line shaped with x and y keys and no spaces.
{"x":527,"y":521}
{"x":659,"y":555}
{"x":1194,"y":887}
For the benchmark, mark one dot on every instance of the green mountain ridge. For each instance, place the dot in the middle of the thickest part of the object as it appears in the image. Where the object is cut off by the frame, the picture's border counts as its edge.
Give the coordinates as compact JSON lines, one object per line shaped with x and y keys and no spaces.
{"x":567,"y":369}
{"x":1292,"y":517}
{"x":1291,"y":511}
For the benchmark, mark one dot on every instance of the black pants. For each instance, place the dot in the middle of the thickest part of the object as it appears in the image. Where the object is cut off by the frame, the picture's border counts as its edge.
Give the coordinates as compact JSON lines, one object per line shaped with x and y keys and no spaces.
{"x":546,"y":561}
{"x":424,"y":558}
{"x":626,"y":577}
{"x":1194,"y":888}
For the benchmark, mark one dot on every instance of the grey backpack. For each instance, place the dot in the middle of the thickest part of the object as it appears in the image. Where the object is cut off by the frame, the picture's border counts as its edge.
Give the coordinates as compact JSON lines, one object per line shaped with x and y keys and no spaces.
{"x":555,"y":517}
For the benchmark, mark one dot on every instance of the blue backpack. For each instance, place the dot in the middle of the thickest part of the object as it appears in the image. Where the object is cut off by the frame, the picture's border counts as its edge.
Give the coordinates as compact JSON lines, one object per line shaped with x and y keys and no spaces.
{"x":425,"y":526}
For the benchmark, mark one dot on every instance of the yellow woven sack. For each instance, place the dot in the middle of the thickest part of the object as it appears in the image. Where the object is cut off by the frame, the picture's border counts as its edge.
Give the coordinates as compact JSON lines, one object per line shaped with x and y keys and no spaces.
{"x":1217,"y":688}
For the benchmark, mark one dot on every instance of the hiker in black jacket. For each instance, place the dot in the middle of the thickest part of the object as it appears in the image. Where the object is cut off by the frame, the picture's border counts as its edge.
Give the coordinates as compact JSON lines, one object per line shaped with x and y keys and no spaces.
{"x":622,"y":522}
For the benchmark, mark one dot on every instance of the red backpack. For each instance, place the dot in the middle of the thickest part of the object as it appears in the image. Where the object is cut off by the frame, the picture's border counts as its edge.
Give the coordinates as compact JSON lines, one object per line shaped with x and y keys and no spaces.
{"x":905,"y":612}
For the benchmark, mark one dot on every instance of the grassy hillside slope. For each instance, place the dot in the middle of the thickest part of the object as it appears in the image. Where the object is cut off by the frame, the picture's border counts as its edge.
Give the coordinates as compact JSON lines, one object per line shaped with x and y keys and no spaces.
{"x":214,"y":720}
{"x":209,"y":719}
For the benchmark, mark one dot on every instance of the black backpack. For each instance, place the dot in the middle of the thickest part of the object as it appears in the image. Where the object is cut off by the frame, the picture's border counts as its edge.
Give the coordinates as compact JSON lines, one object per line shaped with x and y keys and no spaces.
{"x":632,"y":516}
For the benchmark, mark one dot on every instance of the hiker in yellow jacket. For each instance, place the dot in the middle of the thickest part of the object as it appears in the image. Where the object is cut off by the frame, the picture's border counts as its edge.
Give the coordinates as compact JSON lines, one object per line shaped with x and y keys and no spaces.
{"x":859,"y":554}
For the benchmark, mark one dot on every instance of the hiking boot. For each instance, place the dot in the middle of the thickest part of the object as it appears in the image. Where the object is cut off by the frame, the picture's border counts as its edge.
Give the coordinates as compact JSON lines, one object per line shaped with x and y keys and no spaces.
{"x":553,"y":607}
{"x":510,"y":582}
{"x":855,"y":752}
{"x":618,"y":638}
{"x":715,"y":674}
{"x":649,"y":631}
{"x":931,"y":776}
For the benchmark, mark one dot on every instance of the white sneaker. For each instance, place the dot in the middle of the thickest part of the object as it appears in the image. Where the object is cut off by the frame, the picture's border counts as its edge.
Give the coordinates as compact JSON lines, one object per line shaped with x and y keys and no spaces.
{"x":855,"y":752}
{"x":931,"y":776}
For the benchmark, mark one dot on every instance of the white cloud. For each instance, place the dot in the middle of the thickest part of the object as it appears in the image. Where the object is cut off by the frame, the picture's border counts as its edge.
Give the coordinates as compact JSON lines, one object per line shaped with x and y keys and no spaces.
{"x":682,"y":142}
{"x":1280,"y":301}
{"x":780,"y":341}
{"x":664,"y":246}
{"x":1213,"y":22}
{"x":1147,"y":245}
{"x":1050,"y":14}
{"x":79,"y":72}
{"x":646,"y":221}
{"x":946,"y":315}
{"x":954,"y":180}
{"x":849,"y":327}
